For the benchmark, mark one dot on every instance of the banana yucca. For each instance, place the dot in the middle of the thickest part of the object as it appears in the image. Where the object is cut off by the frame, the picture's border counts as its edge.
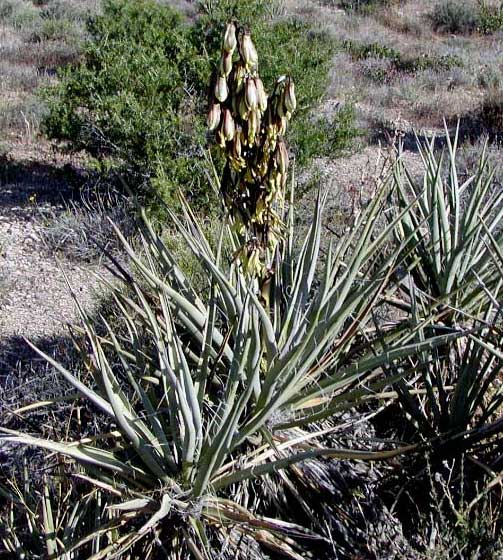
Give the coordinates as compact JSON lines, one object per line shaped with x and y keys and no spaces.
{"x":208,"y":391}
{"x":452,"y":241}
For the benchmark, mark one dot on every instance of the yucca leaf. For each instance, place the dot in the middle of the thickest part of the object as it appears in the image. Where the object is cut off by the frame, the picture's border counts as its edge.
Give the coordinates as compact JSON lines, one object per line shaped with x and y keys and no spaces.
{"x":256,"y":471}
{"x":82,"y":453}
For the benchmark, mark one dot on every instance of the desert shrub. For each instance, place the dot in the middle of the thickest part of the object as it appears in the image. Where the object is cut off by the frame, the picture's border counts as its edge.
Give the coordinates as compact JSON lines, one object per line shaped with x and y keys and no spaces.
{"x":398,"y":61}
{"x":83,"y":230}
{"x":326,"y":136}
{"x":467,"y":517}
{"x":54,"y":30}
{"x":490,"y":18}
{"x":453,"y":16}
{"x":136,"y":96}
{"x":361,"y":51}
{"x":25,"y":115}
{"x":487,"y":118}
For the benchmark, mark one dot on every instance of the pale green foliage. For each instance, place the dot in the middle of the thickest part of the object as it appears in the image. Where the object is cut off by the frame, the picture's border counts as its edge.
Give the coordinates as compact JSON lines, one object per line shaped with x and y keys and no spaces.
{"x":195,"y":380}
{"x":448,"y":230}
{"x":453,"y":241}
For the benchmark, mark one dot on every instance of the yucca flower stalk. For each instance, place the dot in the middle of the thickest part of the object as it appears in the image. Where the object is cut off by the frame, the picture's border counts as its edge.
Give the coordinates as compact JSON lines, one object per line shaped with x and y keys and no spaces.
{"x":250,"y":128}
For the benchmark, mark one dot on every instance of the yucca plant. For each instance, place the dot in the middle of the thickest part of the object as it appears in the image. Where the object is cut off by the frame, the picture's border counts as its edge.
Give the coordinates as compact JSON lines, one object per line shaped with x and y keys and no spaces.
{"x":447,"y":231}
{"x":452,"y":270}
{"x":207,"y":391}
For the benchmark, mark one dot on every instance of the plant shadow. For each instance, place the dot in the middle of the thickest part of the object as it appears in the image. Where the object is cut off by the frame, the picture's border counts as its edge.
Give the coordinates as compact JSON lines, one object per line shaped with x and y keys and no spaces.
{"x":26,"y":184}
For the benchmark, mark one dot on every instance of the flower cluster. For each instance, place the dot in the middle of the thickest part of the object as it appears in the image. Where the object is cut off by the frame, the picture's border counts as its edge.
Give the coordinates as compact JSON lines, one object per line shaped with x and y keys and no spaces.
{"x":249,"y":127}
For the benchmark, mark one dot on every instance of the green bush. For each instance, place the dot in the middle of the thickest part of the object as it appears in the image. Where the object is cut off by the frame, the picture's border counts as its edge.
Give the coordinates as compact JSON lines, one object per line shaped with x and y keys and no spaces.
{"x":17,"y":14}
{"x":490,"y":18}
{"x":290,"y":47}
{"x":137,"y":95}
{"x":325,"y":136}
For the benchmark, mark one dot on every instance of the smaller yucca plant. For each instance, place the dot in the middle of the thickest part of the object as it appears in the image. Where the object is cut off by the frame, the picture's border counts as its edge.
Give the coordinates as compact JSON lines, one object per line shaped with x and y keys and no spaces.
{"x":452,"y":244}
{"x":447,"y":231}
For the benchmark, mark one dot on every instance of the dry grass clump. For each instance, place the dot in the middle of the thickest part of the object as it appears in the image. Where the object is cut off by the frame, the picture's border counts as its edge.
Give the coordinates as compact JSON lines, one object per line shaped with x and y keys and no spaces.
{"x":83,"y":231}
{"x":491,"y":111}
{"x":467,"y":16}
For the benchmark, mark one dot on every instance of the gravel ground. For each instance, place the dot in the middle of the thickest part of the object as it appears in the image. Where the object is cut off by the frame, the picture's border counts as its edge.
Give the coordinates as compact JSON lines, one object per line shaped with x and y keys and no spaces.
{"x":35,"y":300}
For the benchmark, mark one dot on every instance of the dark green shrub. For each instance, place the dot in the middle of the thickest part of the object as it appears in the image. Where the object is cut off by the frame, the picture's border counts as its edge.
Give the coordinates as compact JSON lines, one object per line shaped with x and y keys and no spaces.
{"x":490,"y":18}
{"x":360,"y":51}
{"x":327,"y":136}
{"x":428,"y":62}
{"x":135,"y":100}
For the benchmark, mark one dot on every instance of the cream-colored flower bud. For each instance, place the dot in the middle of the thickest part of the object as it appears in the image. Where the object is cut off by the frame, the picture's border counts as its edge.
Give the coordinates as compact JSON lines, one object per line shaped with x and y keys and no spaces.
{"x":239,"y":77}
{"x":261,"y":95}
{"x":282,"y":157}
{"x":290,"y":99}
{"x":253,"y":126}
{"x":214,"y":116}
{"x":225,"y":64}
{"x":221,"y":137}
{"x":248,"y":51}
{"x":230,"y":40}
{"x":251,"y":96}
{"x":228,"y":125}
{"x":236,"y":146}
{"x":243,"y":109}
{"x":282,"y":127}
{"x":221,"y":90}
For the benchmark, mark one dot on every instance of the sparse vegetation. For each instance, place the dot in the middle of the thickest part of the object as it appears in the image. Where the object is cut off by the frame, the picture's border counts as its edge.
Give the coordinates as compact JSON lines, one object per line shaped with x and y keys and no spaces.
{"x":364,"y":6}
